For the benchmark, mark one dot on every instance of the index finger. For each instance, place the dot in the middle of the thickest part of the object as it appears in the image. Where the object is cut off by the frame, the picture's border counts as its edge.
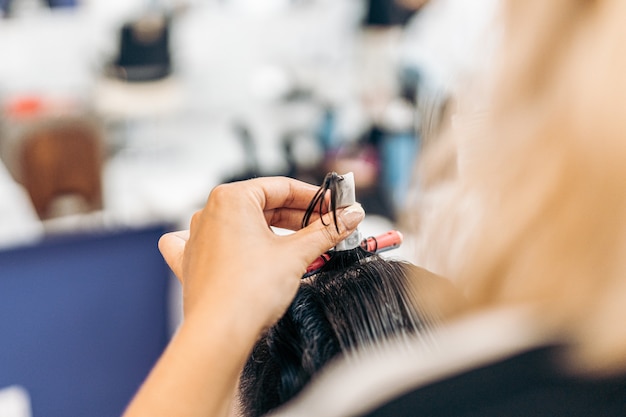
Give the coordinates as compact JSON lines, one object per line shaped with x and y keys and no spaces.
{"x":280,"y":201}
{"x":281,"y":192}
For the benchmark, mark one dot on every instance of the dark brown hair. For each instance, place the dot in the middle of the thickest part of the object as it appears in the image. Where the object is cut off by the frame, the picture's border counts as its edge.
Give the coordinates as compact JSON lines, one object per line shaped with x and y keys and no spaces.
{"x":356,"y":300}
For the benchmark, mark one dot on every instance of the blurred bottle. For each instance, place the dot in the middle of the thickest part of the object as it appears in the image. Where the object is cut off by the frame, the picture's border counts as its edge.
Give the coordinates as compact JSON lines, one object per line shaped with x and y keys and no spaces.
{"x":398,"y":148}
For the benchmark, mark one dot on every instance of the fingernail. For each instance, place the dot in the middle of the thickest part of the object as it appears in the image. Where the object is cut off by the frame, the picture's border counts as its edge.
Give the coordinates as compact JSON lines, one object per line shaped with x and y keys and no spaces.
{"x":352,"y":215}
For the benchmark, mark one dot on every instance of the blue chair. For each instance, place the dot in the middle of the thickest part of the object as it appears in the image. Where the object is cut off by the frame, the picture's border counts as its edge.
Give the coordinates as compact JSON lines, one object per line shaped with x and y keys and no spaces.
{"x":83,"y":318}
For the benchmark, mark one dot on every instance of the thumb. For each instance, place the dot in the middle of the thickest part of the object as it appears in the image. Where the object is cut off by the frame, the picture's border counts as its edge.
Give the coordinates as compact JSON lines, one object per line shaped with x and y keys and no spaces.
{"x":318,"y":237}
{"x":172,"y":247}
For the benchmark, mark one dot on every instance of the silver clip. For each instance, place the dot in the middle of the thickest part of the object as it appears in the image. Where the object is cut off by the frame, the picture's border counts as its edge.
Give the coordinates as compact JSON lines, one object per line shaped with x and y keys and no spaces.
{"x":345,"y":198}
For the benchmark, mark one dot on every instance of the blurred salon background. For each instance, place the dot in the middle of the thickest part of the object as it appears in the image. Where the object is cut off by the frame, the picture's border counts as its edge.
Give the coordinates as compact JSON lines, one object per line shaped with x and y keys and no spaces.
{"x":118,"y":117}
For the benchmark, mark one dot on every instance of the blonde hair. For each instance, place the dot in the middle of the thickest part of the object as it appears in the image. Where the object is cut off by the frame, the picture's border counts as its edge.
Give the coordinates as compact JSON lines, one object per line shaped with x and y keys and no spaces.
{"x":541,"y":184}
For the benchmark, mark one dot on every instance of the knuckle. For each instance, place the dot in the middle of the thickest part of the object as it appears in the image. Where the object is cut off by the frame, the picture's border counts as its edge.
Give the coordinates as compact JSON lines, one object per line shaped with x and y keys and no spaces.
{"x":329,"y":234}
{"x":195,"y":219}
{"x":277,"y":217}
{"x":222,"y":191}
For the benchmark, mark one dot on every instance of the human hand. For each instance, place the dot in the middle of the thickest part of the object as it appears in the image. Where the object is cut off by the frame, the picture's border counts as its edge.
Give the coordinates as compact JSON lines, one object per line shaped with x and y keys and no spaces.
{"x":231,"y":256}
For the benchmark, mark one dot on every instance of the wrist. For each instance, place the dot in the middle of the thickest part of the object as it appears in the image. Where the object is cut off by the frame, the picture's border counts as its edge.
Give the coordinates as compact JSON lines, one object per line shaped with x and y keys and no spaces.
{"x":198,"y":372}
{"x":228,"y":320}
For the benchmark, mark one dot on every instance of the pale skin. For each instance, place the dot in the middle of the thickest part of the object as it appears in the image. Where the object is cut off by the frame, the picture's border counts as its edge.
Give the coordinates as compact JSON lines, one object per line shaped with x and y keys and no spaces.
{"x":238,"y":278}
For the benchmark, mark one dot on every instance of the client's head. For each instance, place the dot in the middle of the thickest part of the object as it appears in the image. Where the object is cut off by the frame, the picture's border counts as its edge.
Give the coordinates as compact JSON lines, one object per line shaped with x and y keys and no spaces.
{"x":357,"y":300}
{"x":353,"y":302}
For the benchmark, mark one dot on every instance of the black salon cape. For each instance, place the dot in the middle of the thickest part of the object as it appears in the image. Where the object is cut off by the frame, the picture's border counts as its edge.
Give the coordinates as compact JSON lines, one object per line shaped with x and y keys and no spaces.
{"x":497,"y":364}
{"x":528,"y":384}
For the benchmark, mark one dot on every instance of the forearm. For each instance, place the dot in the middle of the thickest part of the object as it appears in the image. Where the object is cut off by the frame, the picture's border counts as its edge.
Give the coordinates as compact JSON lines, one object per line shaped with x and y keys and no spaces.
{"x":197,"y":374}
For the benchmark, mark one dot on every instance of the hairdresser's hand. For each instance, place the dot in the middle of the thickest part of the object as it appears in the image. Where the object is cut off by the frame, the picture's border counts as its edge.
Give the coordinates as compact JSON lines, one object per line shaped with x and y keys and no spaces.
{"x":238,"y":278}
{"x":230,"y":255}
